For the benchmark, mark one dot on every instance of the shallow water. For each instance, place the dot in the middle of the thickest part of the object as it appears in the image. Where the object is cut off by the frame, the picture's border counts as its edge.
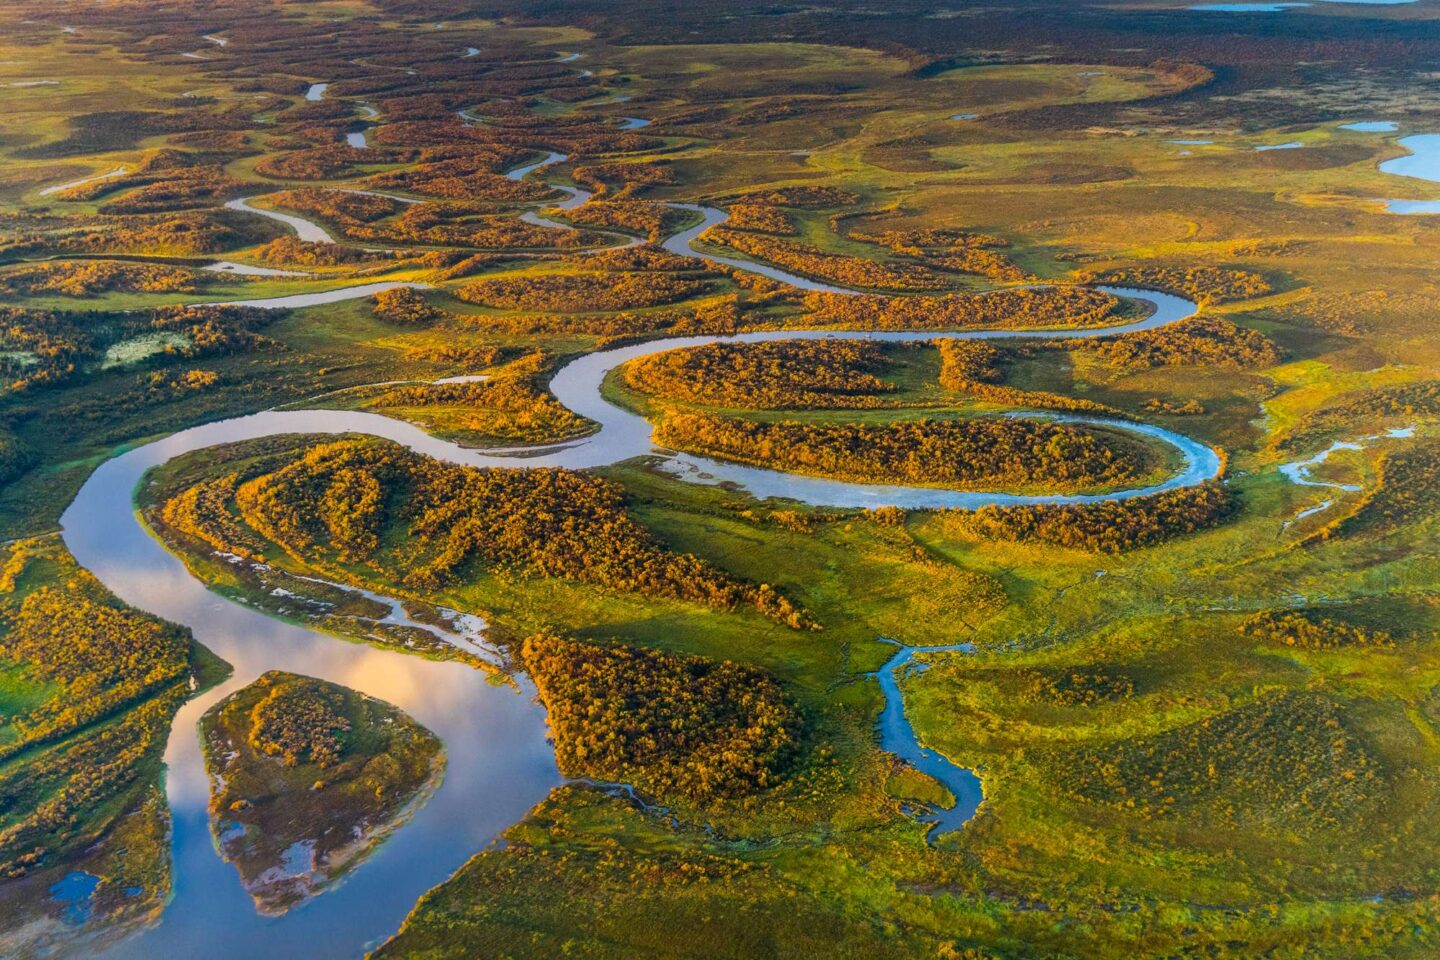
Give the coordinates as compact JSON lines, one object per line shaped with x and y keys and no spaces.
{"x":375,"y":193}
{"x":296,"y":301}
{"x":898,"y":737}
{"x":499,"y":762}
{"x":1292,"y":145}
{"x":1423,"y":162}
{"x":1298,"y":471}
{"x":356,"y":139}
{"x":1411,"y":208}
{"x":1371,"y":126}
{"x":118,"y":171}
{"x":316,"y":91}
{"x":76,"y":890}
{"x":246,"y":270}
{"x":306,"y":230}
{"x":551,"y":158}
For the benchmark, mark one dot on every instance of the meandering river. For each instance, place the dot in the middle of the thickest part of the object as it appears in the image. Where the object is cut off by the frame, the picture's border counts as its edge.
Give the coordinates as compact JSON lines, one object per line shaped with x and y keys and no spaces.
{"x":500,"y":764}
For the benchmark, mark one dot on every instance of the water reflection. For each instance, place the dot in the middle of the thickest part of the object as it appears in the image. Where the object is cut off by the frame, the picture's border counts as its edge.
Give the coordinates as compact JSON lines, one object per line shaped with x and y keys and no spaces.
{"x":500,"y":764}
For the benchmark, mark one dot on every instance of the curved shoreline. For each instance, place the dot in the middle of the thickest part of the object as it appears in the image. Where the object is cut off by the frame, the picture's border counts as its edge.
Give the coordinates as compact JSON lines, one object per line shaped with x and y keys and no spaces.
{"x":501,"y":763}
{"x":57,"y":188}
{"x":898,"y":736}
{"x":306,"y":230}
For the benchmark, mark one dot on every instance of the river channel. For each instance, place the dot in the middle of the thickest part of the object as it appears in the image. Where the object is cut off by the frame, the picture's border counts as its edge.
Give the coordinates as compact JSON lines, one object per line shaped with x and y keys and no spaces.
{"x":499,"y":761}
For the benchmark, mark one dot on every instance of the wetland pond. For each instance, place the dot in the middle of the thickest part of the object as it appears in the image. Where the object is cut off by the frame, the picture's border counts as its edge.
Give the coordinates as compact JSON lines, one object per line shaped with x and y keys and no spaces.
{"x":1421,"y":163}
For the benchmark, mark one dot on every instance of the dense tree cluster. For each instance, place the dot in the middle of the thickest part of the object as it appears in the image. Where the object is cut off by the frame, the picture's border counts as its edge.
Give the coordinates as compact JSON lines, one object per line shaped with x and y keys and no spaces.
{"x":407,"y":307}
{"x":808,"y":259}
{"x":59,"y":788}
{"x":465,"y":225}
{"x":964,"y":363}
{"x":45,"y":347}
{"x":664,"y":722}
{"x":164,"y":181}
{"x":1172,"y":408}
{"x":299,"y":723}
{"x":1310,"y":630}
{"x":348,"y":767}
{"x":430,"y":523}
{"x":1109,"y":526}
{"x":169,"y":384}
{"x":581,"y":292}
{"x":760,"y":218}
{"x":622,"y":179}
{"x":340,"y":207}
{"x":1213,"y":341}
{"x":1288,"y":754}
{"x":40,"y":346}
{"x":719,"y":315}
{"x":462,"y":178}
{"x":1017,"y":309}
{"x":292,"y":252}
{"x":88,"y":278}
{"x":330,"y":162}
{"x":982,"y":453}
{"x":1201,"y":284}
{"x":775,"y":375}
{"x":211,"y":330}
{"x":206,"y":512}
{"x":16,"y":456}
{"x":971,"y":367}
{"x":102,"y":657}
{"x":949,"y":249}
{"x":199,"y":187}
{"x":650,"y":220}
{"x":184,"y":234}
{"x":638,"y":257}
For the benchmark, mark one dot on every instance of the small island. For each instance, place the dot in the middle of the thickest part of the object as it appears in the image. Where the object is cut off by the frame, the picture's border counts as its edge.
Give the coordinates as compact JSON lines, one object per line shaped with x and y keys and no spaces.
{"x":307,"y":777}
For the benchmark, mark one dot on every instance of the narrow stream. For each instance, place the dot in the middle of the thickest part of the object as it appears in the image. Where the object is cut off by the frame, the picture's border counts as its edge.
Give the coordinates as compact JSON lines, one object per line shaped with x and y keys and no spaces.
{"x":898,"y":736}
{"x":500,"y":764}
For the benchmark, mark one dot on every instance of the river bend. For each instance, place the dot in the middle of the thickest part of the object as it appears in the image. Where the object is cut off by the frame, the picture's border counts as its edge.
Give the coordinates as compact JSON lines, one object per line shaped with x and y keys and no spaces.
{"x":499,"y":762}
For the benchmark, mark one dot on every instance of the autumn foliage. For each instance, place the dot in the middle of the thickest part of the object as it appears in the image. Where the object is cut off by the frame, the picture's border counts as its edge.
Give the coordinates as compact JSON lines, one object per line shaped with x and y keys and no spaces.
{"x":299,"y":723}
{"x":775,"y":375}
{"x":1213,"y":341}
{"x":580,"y":293}
{"x":1201,"y":284}
{"x":1009,"y":309}
{"x":982,"y":453}
{"x":429,"y":523}
{"x":1108,"y":526}
{"x":664,"y":722}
